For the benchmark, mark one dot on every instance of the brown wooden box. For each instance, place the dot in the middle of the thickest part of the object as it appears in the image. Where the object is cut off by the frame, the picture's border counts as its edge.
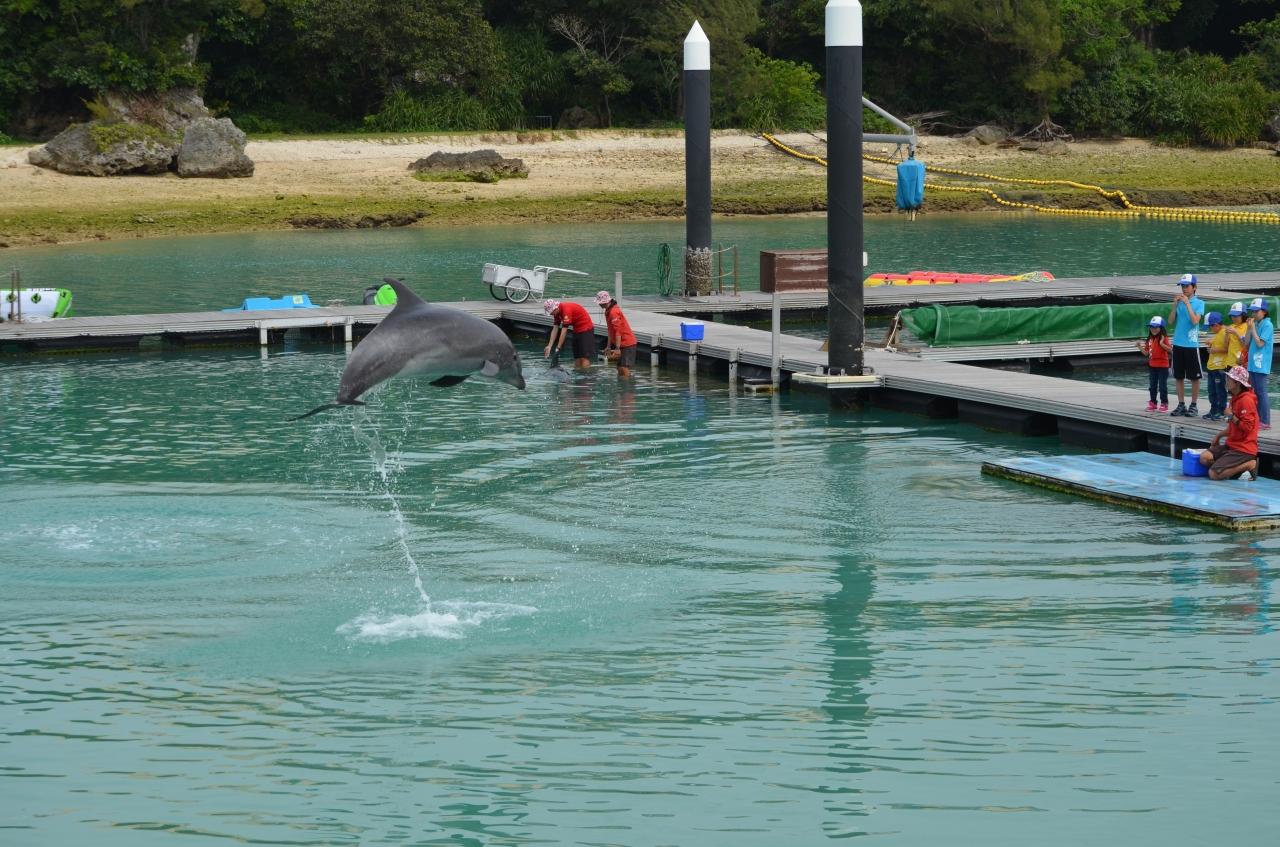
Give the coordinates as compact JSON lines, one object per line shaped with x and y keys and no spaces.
{"x":793,"y":270}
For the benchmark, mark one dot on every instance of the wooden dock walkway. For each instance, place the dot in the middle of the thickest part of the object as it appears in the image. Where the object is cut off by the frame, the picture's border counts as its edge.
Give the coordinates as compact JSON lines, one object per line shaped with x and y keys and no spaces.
{"x":1082,"y":413}
{"x":124,"y":330}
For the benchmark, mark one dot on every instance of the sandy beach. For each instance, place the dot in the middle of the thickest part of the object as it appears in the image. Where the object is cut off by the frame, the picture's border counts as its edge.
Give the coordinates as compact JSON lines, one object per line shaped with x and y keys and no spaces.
{"x":588,"y":175}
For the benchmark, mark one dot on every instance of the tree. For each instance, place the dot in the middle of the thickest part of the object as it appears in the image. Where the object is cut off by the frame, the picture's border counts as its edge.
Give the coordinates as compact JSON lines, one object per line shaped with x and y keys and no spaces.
{"x":365,"y":49}
{"x":599,"y":48}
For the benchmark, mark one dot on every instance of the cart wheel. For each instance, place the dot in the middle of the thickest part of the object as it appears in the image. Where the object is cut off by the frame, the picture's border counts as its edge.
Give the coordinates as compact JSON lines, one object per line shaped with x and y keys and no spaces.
{"x":498,"y":292}
{"x":517,"y":289}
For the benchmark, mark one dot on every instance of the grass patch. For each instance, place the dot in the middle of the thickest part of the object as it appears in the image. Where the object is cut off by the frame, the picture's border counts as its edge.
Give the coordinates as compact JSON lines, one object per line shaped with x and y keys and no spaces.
{"x":465,"y":176}
{"x":108,"y":135}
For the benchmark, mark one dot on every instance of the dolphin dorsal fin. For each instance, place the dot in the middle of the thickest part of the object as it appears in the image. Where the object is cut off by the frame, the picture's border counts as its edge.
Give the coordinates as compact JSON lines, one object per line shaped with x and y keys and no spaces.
{"x":405,"y":297}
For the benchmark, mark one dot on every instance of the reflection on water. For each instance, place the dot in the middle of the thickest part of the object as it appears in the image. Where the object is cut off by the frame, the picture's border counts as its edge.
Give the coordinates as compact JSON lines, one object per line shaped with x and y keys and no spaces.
{"x":660,"y":612}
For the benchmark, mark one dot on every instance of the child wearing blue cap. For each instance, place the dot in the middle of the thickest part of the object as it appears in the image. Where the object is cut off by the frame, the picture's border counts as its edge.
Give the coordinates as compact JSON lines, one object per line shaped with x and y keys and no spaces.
{"x":1185,"y":315}
{"x":1219,"y":364}
{"x":1259,"y":339}
{"x":1156,"y":348}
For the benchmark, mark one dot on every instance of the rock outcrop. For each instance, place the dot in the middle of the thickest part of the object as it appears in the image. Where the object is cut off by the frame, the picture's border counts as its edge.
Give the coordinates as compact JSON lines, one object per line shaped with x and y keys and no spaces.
{"x":576,"y":117}
{"x":96,"y":149}
{"x":987,"y":134}
{"x":147,"y":134}
{"x":213,"y":147}
{"x":484,"y":165}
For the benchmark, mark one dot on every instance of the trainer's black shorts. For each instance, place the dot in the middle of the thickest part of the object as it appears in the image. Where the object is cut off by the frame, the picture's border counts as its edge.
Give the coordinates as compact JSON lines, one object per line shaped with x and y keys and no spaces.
{"x":627,"y":357}
{"x":1186,"y":363}
{"x":584,"y":345}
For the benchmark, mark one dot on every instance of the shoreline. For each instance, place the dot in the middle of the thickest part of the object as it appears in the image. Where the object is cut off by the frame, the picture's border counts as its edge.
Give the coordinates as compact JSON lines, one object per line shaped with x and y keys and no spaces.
{"x":585,"y":176}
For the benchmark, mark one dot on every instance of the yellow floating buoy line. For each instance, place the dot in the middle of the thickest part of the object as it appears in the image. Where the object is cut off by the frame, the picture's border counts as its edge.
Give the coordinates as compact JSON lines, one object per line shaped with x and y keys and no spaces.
{"x":1131,"y":210}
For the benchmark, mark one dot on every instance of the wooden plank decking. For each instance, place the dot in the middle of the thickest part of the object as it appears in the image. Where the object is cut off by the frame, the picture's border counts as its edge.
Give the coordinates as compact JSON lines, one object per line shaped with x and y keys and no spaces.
{"x":881,"y":298}
{"x":1114,"y":407}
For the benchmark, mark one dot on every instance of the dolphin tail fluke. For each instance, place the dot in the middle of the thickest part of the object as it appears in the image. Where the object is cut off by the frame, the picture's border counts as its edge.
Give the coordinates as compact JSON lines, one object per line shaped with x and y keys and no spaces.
{"x":326,"y":407}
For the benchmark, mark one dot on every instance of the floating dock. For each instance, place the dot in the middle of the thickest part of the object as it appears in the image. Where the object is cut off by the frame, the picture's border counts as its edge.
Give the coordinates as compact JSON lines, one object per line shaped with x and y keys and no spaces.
{"x":1086,"y":414}
{"x":1152,"y":484}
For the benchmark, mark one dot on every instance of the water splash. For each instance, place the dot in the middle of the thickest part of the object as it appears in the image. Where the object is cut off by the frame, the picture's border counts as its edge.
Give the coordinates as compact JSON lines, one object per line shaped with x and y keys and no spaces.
{"x":378,"y":453}
{"x":449,"y":619}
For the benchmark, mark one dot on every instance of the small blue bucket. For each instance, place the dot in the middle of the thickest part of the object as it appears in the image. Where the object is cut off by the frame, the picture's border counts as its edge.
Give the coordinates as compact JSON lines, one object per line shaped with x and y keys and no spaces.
{"x":1191,"y":463}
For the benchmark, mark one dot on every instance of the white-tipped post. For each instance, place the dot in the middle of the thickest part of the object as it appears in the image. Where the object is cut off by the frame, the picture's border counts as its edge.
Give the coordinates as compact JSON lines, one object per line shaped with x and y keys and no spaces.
{"x":697,"y":50}
{"x":844,"y":24}
{"x":697,"y":161}
{"x":845,"y":327}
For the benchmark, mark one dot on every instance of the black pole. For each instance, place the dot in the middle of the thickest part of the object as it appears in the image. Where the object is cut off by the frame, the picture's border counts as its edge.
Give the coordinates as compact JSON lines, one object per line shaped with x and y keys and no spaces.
{"x":697,"y":160}
{"x":845,"y":327}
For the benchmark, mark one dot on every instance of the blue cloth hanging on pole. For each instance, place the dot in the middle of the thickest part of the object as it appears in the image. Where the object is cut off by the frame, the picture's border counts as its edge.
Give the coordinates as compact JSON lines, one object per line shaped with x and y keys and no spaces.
{"x":910,"y":184}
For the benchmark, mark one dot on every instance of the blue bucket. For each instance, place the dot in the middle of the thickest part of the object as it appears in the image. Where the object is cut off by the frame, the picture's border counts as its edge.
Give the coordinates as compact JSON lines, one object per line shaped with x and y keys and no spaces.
{"x":1191,"y":463}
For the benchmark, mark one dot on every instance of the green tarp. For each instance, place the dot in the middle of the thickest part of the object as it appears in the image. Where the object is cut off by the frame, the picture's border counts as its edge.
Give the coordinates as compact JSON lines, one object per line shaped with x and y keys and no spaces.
{"x":971,"y":326}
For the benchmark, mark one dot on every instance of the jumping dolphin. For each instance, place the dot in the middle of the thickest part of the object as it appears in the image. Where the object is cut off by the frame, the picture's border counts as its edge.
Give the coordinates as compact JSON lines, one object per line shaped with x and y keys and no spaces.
{"x":448,"y":345}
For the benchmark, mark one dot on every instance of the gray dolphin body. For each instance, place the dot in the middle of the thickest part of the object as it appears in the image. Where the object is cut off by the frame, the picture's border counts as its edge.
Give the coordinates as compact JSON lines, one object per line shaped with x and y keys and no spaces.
{"x":419,"y":339}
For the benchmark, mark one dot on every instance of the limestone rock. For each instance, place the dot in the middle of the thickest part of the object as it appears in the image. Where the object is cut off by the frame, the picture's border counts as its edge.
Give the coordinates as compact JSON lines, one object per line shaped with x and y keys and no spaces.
{"x":1057,"y":147}
{"x":987,"y":134}
{"x":170,"y":111}
{"x":76,"y":151}
{"x":471,"y":162}
{"x":213,"y":148}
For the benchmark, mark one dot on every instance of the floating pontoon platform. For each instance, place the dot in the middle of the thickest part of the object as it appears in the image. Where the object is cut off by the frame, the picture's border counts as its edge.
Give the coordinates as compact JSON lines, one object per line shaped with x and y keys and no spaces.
{"x":1153,"y":484}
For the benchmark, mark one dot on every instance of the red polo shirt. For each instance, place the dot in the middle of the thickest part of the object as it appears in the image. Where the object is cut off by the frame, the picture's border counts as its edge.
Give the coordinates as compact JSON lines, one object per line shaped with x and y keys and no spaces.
{"x":619,"y":328}
{"x":575,"y":316}
{"x":1242,"y":431}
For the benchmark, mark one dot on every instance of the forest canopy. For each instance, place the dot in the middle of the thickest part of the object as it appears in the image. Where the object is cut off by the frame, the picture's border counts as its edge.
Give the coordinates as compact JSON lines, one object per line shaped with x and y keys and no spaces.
{"x":1180,"y":71}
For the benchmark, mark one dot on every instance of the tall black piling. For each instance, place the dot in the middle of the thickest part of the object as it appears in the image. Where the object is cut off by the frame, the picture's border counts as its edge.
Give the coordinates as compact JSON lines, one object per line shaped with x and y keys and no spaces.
{"x":697,"y":161}
{"x":845,"y":323}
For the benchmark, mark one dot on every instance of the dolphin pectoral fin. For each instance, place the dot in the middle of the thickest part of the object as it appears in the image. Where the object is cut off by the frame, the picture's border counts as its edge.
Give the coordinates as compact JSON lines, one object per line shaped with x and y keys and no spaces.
{"x":490,"y":369}
{"x":447,"y":381}
{"x":326,"y":407}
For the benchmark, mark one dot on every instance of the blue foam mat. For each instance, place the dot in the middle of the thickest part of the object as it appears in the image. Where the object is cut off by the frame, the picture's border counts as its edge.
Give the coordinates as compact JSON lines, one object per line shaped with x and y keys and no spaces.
{"x":1159,"y":481}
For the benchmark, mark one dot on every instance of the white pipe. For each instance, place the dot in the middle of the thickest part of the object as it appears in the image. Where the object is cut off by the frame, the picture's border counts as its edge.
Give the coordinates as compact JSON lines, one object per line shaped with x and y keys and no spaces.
{"x":776,"y":340}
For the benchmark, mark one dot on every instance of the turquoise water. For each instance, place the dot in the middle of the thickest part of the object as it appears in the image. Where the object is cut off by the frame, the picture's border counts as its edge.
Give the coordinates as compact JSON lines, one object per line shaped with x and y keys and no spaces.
{"x":656,"y":614}
{"x":211,"y":272}
{"x":662,"y":614}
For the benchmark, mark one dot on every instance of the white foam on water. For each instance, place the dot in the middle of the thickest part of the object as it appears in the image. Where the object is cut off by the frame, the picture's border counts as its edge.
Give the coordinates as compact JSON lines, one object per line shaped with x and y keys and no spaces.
{"x":448,"y":619}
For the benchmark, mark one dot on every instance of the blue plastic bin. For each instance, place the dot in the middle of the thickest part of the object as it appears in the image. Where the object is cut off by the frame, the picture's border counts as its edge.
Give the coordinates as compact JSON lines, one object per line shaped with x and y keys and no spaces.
{"x":1191,"y":463}
{"x":691,"y":330}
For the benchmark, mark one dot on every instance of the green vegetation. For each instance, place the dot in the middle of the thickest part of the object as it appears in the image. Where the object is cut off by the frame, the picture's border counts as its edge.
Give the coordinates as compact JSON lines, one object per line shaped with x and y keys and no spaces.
{"x":1183,"y":71}
{"x":107,"y":135}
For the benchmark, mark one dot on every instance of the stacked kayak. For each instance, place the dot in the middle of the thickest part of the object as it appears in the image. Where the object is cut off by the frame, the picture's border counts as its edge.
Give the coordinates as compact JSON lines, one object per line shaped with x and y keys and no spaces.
{"x":267,"y":304}
{"x":36,"y":304}
{"x":952,"y":278}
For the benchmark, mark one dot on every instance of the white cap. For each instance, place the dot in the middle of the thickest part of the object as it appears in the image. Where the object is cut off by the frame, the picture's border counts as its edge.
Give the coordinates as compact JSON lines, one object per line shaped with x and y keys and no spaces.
{"x":1259,"y":303}
{"x":697,"y":50}
{"x":844,"y":23}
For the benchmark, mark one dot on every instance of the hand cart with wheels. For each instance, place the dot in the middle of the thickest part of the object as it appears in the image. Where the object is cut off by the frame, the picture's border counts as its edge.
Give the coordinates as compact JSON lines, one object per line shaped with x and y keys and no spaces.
{"x":518,"y":284}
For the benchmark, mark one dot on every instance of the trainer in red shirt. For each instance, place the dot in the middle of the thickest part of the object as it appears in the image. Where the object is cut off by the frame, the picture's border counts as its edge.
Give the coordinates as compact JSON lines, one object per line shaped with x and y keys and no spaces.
{"x":566,"y":316}
{"x":1240,"y":454}
{"x":622,"y":341}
